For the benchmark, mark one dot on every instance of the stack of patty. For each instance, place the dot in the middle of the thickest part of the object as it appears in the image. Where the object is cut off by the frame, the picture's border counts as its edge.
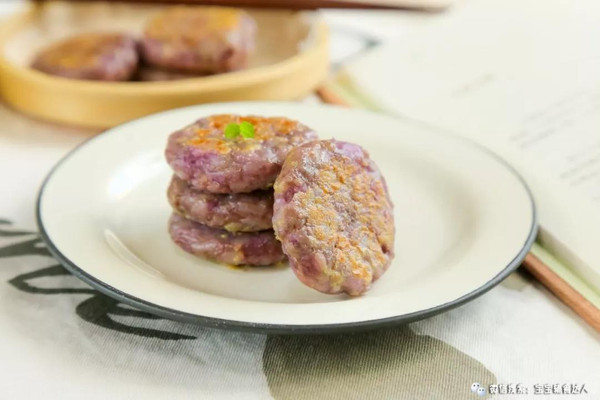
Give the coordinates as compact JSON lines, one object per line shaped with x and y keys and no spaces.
{"x":221,"y":191}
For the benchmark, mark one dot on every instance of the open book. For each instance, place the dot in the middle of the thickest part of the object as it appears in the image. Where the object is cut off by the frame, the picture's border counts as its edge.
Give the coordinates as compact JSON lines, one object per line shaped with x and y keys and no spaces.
{"x":522,"y":78}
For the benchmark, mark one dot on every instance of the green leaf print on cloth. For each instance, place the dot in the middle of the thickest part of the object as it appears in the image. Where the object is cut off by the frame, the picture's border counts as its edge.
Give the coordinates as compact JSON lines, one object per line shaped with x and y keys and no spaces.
{"x":387,"y":364}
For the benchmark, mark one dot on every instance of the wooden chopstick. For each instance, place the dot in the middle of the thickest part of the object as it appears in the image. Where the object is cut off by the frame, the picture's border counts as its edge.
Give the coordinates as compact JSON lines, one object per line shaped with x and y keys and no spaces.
{"x":417,"y":5}
{"x":561,"y":289}
{"x":540,"y":271}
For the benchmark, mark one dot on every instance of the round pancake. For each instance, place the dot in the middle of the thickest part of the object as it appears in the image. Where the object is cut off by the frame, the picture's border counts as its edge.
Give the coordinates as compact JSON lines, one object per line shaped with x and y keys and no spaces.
{"x":199,"y":39}
{"x":257,"y":248}
{"x":334,"y":217}
{"x":91,"y":56}
{"x":201,"y":155}
{"x":240,"y":212}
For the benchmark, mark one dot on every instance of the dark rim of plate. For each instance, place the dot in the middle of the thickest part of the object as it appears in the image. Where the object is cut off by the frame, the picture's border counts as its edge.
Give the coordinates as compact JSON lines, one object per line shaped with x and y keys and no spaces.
{"x":211,"y":322}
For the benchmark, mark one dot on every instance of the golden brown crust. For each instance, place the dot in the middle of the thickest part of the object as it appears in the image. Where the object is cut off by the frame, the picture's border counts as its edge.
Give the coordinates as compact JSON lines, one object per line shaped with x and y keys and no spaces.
{"x":334,"y":217}
{"x":190,"y":24}
{"x":211,"y":135}
{"x":201,"y":154}
{"x":82,"y":50}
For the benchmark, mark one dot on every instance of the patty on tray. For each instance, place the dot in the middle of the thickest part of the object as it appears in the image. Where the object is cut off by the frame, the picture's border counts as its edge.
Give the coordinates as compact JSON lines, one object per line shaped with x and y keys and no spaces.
{"x":199,"y":39}
{"x":91,"y":56}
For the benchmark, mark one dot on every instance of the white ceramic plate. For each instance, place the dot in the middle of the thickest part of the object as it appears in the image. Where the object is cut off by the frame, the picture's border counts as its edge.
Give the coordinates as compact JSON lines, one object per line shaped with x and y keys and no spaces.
{"x":464,"y":221}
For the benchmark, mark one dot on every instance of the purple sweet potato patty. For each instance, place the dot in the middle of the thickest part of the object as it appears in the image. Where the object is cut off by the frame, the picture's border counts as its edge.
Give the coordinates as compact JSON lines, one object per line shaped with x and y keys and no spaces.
{"x":199,"y":39}
{"x":202,"y":156}
{"x":334,"y":217}
{"x":240,"y":212}
{"x":91,"y":56}
{"x":257,"y":248}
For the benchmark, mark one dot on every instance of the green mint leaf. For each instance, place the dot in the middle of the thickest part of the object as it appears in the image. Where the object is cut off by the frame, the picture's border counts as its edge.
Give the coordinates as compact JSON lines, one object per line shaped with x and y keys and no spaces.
{"x":232,"y":131}
{"x":246,"y":129}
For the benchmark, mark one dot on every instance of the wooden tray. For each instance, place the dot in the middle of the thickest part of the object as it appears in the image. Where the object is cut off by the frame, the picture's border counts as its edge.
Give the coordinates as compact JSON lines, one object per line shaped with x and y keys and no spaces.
{"x":291,"y":59}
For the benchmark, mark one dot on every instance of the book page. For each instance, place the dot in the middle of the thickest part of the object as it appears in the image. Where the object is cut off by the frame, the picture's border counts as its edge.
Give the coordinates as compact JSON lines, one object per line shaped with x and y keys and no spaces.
{"x":520,"y":77}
